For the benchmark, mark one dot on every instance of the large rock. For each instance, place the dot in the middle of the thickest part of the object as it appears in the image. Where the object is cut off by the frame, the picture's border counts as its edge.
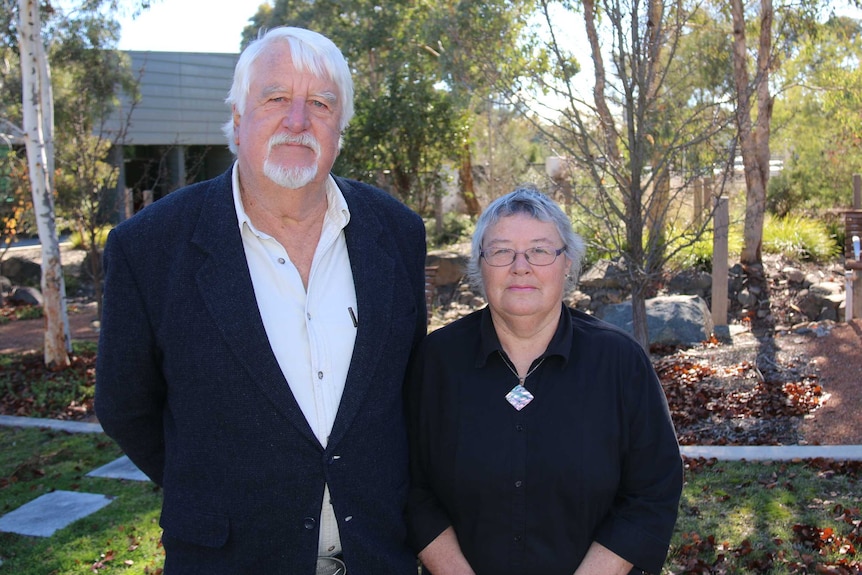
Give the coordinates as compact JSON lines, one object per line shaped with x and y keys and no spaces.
{"x":21,"y":271}
{"x":671,"y":320}
{"x":25,"y":295}
{"x":604,"y":274}
{"x":451,"y":267}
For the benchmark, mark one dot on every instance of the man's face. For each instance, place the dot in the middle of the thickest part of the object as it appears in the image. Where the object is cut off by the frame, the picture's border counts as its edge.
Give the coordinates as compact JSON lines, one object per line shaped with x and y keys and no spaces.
{"x":289,"y":130}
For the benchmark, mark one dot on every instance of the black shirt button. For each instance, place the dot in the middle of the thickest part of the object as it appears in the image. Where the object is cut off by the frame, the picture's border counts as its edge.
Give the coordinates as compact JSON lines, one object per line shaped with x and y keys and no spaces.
{"x":518,"y":483}
{"x":309,"y":522}
{"x":517,"y":538}
{"x":519,"y":427}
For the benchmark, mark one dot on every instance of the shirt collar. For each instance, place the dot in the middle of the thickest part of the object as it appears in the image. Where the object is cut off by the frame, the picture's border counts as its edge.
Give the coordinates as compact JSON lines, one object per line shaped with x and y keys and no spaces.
{"x":560,"y":344}
{"x":337,"y":212}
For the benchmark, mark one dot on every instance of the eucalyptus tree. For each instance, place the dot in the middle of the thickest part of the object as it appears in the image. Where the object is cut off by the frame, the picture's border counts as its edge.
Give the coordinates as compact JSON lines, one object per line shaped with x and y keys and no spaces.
{"x":638,"y":130}
{"x":818,"y":132}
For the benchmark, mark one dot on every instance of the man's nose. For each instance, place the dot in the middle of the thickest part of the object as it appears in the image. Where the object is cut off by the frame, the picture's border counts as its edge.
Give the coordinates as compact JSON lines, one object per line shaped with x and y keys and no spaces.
{"x":296,"y":116}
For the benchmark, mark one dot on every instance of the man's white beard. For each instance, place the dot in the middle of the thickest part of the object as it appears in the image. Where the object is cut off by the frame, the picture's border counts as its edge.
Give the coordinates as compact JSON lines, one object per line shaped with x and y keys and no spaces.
{"x":292,"y":178}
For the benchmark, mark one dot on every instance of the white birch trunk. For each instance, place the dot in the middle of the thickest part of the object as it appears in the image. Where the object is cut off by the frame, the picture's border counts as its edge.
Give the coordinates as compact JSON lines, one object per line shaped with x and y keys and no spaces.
{"x":38,"y":116}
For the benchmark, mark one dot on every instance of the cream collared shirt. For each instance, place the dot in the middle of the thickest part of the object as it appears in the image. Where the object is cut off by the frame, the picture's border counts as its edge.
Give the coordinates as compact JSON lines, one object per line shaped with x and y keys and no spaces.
{"x":311,"y":332}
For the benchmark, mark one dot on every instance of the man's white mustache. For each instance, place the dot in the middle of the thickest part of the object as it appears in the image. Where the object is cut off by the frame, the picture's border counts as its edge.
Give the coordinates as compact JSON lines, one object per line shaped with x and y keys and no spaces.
{"x":302,"y":140}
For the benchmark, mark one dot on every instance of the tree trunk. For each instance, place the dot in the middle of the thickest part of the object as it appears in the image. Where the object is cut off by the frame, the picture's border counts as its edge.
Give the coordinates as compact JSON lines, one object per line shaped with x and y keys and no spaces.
{"x":753,"y":140}
{"x":39,"y":133}
{"x":466,"y":184}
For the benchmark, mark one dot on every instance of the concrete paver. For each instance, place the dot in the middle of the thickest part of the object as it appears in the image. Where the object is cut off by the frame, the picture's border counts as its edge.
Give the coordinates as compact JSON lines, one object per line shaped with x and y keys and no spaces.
{"x":121,"y":468}
{"x":51,"y":512}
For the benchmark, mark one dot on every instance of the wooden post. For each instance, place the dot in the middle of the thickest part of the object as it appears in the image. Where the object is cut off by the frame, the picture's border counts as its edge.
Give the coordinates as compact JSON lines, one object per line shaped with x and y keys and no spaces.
{"x":698,"y":202}
{"x":720,"y":254}
{"x":857,"y":191}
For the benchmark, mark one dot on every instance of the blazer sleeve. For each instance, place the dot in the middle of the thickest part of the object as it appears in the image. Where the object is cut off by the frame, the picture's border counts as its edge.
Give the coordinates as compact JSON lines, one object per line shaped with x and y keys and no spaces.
{"x":130,"y":387}
{"x":426,"y":516}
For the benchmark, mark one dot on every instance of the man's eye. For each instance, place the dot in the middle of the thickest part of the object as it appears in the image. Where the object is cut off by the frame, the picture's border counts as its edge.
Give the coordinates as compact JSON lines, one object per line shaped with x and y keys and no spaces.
{"x":542,"y":251}
{"x":500,"y":252}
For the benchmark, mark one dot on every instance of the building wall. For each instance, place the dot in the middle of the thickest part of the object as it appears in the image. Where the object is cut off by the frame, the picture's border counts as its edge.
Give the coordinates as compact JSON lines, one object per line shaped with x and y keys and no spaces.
{"x":182,"y":98}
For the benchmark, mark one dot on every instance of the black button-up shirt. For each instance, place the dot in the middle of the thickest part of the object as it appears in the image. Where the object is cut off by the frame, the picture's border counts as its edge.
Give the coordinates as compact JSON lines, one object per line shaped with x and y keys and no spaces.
{"x":593,"y":457}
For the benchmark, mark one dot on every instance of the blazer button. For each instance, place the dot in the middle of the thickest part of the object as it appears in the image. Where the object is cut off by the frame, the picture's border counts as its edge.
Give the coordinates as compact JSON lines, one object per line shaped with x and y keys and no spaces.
{"x":309,"y":522}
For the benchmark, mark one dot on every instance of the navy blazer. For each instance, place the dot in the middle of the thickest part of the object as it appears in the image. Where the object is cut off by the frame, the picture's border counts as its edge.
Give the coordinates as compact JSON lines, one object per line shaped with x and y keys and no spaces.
{"x":189,"y":387}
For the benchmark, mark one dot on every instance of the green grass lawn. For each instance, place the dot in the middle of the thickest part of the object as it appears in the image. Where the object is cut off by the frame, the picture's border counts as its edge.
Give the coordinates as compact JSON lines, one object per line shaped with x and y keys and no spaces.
{"x":123,"y":537}
{"x":735,"y":517}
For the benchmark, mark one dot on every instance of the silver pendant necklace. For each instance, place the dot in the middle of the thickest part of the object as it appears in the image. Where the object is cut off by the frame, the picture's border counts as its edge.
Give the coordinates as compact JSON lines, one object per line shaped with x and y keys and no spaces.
{"x":519,"y":396}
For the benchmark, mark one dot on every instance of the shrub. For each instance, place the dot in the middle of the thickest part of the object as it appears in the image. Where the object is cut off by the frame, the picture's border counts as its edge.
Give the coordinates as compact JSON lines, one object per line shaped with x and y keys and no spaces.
{"x":799,"y":239}
{"x":80,"y":242}
{"x":457,"y":228}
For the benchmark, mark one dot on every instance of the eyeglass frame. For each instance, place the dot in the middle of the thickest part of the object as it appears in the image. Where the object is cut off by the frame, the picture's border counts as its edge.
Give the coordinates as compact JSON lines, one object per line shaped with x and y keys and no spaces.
{"x":557,"y":253}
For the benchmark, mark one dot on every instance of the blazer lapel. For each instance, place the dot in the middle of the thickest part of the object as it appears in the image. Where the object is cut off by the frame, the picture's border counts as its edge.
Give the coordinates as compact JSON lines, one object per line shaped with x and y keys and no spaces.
{"x":372,"y":263}
{"x":224,"y":283}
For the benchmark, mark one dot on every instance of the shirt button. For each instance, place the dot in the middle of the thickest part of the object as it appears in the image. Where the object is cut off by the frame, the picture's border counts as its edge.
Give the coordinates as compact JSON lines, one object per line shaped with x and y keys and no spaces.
{"x":309,"y":522}
{"x":281,"y":260}
{"x":519,"y":427}
{"x":516,"y":538}
{"x":519,"y":483}
{"x":319,"y":375}
{"x":308,"y":315}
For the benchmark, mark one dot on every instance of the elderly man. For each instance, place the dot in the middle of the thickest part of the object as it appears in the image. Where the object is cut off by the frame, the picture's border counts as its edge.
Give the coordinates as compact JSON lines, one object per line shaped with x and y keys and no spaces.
{"x":256,"y":333}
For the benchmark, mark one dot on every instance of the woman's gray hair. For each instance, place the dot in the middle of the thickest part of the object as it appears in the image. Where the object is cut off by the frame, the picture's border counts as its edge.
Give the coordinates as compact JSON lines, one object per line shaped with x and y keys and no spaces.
{"x":311,"y":52}
{"x":530,"y":201}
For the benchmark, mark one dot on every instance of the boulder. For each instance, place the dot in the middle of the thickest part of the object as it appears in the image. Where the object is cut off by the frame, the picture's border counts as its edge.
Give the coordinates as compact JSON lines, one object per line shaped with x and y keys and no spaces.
{"x":26,"y":296}
{"x":21,"y":271}
{"x":604,"y":274}
{"x":451,"y":267}
{"x":671,"y":320}
{"x":691,"y":282}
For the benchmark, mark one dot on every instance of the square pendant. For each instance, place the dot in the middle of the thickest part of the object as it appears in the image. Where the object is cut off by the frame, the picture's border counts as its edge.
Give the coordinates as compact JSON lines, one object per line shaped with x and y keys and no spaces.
{"x":519,"y":397}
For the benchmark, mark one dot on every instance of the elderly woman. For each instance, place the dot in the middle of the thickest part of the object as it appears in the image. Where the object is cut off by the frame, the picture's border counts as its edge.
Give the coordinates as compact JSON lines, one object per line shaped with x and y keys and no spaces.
{"x":541,"y":438}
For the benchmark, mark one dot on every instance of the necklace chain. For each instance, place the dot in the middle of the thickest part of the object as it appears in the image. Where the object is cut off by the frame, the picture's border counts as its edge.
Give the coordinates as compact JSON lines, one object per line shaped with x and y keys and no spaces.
{"x":521,"y":380}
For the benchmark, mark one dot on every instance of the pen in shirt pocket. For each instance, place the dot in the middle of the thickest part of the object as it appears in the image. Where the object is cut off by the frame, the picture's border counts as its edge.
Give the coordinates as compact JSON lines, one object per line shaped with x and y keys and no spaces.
{"x":353,"y":316}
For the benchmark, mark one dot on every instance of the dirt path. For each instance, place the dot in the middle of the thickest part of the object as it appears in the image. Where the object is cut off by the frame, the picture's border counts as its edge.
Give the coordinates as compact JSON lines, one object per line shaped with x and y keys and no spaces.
{"x":29,"y":335}
{"x":838,"y":357}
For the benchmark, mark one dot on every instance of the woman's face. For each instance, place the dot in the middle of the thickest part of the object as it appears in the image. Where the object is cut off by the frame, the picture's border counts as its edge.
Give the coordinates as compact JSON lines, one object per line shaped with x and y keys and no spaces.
{"x":523,"y":289}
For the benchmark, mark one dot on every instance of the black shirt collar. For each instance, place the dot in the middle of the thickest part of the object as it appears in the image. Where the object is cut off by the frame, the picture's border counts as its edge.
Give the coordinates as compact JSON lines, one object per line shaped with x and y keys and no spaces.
{"x":561,"y":343}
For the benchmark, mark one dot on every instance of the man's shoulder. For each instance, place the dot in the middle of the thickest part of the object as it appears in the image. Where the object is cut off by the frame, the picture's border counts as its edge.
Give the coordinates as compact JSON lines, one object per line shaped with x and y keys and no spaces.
{"x":384,"y":203}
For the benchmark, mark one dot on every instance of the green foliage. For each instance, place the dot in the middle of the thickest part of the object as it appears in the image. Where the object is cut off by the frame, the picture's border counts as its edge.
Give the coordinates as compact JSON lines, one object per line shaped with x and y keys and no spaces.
{"x":795,"y":238}
{"x":799,"y":238}
{"x":690,"y":252}
{"x":816,"y":120}
{"x":20,"y":312}
{"x":82,"y":242}
{"x":457,"y":228}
